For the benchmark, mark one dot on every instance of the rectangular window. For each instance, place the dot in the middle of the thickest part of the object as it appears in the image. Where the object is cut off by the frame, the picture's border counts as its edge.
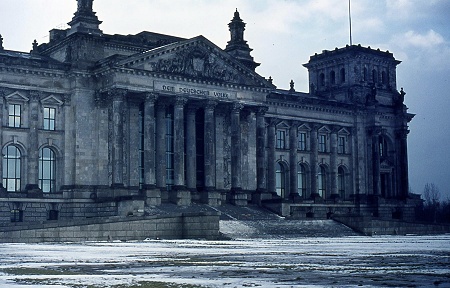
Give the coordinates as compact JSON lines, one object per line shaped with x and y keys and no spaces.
{"x":16,"y":215}
{"x":281,"y":139}
{"x":322,"y":143}
{"x":341,"y":145}
{"x":302,"y":141}
{"x":14,"y":119}
{"x":49,"y":118}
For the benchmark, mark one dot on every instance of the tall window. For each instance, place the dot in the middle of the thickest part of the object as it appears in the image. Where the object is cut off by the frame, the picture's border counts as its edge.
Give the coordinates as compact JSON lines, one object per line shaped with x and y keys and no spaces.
{"x":280,"y":180}
{"x":341,"y":182}
{"x":49,"y":118}
{"x":365,"y":74}
{"x":383,"y":147}
{"x":342,"y":75}
{"x":301,"y":180}
{"x":322,"y":143}
{"x":333,"y":77}
{"x":322,"y":79}
{"x":374,"y":76}
{"x":322,"y":182}
{"x":14,"y":119}
{"x":302,"y":141}
{"x":11,"y":168}
{"x":281,"y":139}
{"x":341,"y":145}
{"x":47,"y":169}
{"x":141,"y":147}
{"x":170,"y":172}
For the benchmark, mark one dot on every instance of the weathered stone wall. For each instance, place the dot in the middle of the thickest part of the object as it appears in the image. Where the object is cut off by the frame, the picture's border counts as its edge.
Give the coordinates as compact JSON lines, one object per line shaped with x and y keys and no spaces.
{"x":176,"y":226}
{"x":370,"y":226}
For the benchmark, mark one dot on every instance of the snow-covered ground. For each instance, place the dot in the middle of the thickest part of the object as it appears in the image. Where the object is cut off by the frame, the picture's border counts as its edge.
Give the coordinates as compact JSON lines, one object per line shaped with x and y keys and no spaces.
{"x":350,"y":261}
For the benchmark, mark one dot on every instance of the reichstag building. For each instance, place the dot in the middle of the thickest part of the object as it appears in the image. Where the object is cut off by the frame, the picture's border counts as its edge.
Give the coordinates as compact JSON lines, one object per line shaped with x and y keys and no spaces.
{"x":98,"y":125}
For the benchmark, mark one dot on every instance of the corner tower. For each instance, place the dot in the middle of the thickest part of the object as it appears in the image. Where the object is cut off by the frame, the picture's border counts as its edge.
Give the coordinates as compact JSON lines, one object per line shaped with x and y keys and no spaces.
{"x":237,"y":46}
{"x":85,"y":20}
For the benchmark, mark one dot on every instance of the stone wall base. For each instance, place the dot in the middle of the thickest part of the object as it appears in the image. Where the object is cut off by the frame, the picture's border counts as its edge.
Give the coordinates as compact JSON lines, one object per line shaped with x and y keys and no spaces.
{"x":177,"y":226}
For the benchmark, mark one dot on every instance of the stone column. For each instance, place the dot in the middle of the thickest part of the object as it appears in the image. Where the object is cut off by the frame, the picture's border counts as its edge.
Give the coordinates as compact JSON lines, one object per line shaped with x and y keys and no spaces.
{"x":117,"y":105}
{"x":261,"y":150}
{"x":376,"y":160}
{"x":161,"y":146}
{"x":236,"y":159}
{"x":293,"y":143}
{"x":402,"y":148}
{"x":179,"y":195}
{"x":191,"y":149}
{"x":32,"y":186}
{"x":314,"y":159}
{"x":210,"y":153}
{"x":211,"y":197}
{"x":236,"y":156}
{"x":333,"y":163}
{"x":2,"y":94}
{"x":271,"y":184}
{"x":153,"y":195}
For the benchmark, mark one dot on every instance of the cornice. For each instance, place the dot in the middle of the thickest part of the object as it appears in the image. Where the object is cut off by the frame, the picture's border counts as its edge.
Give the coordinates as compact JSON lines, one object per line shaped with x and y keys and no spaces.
{"x":184,"y":79}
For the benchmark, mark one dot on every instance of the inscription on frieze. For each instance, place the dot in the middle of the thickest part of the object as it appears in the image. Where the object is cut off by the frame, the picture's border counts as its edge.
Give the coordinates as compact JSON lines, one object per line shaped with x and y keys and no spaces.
{"x":209,"y":92}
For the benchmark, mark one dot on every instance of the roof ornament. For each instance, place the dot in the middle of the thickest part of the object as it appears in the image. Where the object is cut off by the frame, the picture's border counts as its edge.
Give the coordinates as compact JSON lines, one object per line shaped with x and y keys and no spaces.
{"x":85,"y":5}
{"x":291,"y":84}
{"x":1,"y":42}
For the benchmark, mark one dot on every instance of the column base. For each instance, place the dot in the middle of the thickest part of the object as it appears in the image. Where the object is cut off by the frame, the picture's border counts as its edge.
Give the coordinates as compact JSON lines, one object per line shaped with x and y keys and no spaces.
{"x":238,"y":197}
{"x":212,"y":197}
{"x":152,"y":196}
{"x":260,"y":195}
{"x":180,"y":196}
{"x":33,"y":191}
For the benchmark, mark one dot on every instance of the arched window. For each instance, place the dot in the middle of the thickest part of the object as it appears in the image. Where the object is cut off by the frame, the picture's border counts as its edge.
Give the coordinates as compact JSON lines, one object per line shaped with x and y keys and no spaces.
{"x":280,"y":180}
{"x":11,"y":168}
{"x":341,"y":182}
{"x":384,"y":77}
{"x":383,"y":147}
{"x":365,"y":74}
{"x":333,"y":77}
{"x":322,"y":182}
{"x":322,"y":79}
{"x":47,"y":169}
{"x":343,"y":75}
{"x":374,"y":76}
{"x":301,"y":180}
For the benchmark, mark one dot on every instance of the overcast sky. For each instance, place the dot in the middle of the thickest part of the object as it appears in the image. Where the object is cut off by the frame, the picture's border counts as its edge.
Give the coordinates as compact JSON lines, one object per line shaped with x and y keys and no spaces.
{"x":283,"y":34}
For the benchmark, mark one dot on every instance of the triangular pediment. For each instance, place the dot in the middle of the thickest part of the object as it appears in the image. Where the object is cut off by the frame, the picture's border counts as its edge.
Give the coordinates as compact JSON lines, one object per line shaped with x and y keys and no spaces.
{"x":197,"y":59}
{"x":52,"y":100}
{"x":17,"y":96}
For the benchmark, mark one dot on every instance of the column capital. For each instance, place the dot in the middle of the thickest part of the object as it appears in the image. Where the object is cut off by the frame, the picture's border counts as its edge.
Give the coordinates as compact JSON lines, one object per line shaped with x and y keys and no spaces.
{"x":295,"y":124}
{"x":180,"y":101}
{"x":210,"y":104}
{"x":402,"y":133}
{"x":374,"y":131}
{"x":117,"y":94}
{"x":35,"y":95}
{"x":151,"y":96}
{"x":237,"y":107}
{"x":261,"y":111}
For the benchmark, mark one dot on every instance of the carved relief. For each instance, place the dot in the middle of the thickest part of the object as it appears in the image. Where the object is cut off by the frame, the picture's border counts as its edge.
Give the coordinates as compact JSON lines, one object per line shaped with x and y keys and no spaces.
{"x":196,"y":62}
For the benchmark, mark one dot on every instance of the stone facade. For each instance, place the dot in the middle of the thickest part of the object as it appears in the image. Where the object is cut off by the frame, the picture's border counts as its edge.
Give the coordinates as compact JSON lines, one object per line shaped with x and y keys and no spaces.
{"x":97,"y":125}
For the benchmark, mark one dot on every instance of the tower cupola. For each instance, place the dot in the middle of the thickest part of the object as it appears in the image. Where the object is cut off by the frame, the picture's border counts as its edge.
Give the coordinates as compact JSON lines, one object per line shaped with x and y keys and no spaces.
{"x":237,"y":46}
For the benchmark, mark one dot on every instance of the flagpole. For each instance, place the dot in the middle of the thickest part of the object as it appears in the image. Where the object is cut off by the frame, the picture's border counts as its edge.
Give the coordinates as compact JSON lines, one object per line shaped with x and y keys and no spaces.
{"x":350,"y":21}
